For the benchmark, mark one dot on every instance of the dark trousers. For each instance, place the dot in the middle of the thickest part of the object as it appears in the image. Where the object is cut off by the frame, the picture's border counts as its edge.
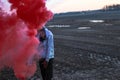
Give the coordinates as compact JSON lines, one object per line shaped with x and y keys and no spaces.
{"x":47,"y":73}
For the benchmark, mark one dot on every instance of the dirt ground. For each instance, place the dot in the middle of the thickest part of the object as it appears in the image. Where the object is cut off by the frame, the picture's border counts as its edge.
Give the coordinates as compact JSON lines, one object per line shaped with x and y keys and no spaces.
{"x":87,"y":54}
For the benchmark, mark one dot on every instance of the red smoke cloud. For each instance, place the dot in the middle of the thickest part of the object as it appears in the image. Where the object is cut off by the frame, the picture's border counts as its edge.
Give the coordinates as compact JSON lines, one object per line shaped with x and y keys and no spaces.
{"x":18,"y":43}
{"x":33,"y":12}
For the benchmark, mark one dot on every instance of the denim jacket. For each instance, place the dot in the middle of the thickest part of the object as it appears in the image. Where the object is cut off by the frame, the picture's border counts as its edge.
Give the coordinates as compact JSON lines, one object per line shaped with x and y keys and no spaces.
{"x":46,"y":48}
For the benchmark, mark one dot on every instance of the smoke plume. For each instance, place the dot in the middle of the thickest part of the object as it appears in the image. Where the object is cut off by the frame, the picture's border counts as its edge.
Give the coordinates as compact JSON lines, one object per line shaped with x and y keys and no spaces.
{"x":18,"y":27}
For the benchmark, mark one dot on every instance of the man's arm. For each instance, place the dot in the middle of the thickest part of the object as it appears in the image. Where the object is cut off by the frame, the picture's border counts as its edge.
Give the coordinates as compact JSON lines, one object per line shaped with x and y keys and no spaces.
{"x":50,"y":48}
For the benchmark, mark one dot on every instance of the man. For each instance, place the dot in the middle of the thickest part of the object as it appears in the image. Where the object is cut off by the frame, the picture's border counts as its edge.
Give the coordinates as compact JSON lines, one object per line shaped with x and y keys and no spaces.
{"x":46,"y":50}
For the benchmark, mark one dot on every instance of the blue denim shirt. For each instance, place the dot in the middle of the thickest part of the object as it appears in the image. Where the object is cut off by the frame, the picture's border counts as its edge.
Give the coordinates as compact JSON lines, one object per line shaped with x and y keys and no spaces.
{"x":46,"y":48}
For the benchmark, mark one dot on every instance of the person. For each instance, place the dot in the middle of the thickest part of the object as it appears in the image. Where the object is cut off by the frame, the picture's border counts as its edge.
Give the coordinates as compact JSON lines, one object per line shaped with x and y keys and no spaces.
{"x":46,"y":50}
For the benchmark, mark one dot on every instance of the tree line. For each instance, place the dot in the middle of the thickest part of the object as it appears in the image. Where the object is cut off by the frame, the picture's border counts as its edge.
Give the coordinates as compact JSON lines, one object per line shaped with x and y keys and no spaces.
{"x":112,"y":7}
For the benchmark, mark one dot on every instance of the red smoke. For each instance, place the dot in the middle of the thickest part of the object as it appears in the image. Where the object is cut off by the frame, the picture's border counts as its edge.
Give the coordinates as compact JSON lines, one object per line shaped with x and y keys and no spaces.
{"x":33,"y":12}
{"x":18,"y":43}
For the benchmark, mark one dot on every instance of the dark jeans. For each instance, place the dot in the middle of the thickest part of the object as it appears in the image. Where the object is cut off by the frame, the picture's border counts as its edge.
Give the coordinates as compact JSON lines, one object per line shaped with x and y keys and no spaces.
{"x":47,"y":73}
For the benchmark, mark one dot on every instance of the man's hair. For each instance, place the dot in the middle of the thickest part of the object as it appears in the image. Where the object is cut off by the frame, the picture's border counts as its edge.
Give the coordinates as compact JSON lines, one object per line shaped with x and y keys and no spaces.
{"x":41,"y":38}
{"x":43,"y":29}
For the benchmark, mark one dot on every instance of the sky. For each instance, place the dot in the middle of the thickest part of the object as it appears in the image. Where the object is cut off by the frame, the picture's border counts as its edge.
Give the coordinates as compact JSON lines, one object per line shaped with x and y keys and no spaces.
{"x":61,"y":6}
